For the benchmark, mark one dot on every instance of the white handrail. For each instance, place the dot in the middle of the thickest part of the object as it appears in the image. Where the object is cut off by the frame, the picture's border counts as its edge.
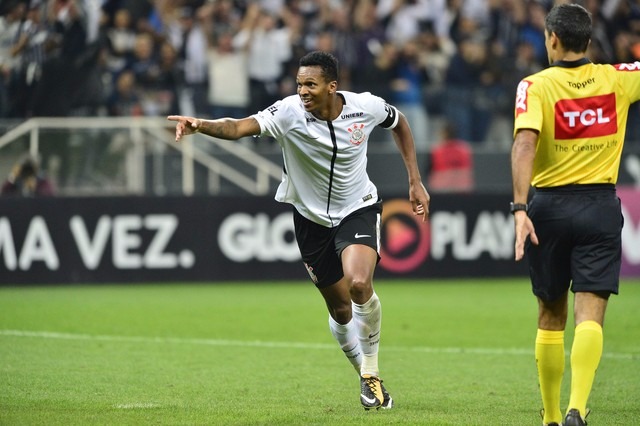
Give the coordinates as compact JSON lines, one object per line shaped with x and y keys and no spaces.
{"x":161,"y":130}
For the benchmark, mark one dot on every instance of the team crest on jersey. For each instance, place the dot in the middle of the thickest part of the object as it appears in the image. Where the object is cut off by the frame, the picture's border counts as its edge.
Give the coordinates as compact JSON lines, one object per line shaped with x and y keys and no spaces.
{"x":357,"y":134}
{"x":521,"y":96}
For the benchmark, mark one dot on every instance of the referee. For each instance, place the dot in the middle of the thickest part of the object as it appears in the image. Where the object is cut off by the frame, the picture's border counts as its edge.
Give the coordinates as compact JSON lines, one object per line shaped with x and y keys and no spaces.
{"x":569,"y":131}
{"x":323,"y":134}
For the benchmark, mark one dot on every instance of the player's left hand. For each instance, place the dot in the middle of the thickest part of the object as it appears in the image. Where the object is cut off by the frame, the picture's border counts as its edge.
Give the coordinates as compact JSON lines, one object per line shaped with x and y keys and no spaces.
{"x":420,"y":200}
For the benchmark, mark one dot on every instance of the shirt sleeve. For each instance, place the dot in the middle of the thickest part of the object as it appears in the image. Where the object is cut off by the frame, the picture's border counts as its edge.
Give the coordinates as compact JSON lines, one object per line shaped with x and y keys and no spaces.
{"x":629,"y":74}
{"x":275,"y":120}
{"x":528,"y":108}
{"x":386,"y":114}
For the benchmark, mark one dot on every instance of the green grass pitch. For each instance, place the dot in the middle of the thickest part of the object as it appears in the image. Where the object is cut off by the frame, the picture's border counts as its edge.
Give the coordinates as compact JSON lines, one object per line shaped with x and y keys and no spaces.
{"x":453,"y":352}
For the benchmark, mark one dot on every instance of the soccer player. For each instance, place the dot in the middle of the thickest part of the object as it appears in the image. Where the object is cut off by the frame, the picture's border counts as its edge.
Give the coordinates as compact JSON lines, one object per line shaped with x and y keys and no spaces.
{"x":323,"y":134}
{"x":569,"y":131}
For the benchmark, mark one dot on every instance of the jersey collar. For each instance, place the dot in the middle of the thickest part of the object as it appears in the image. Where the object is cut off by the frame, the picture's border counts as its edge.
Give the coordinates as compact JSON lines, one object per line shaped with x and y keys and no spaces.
{"x":571,"y":64}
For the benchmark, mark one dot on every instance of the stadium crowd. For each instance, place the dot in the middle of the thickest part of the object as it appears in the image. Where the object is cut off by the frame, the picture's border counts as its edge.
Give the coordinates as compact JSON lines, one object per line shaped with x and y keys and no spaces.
{"x":456,"y":59}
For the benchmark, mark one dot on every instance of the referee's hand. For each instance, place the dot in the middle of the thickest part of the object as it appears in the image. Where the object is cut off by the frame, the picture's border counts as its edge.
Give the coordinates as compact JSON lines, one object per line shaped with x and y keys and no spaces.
{"x":524,"y":229}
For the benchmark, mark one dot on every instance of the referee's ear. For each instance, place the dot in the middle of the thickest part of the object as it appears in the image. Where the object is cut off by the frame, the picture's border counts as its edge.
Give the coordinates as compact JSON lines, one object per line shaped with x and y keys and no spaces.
{"x":554,"y":41}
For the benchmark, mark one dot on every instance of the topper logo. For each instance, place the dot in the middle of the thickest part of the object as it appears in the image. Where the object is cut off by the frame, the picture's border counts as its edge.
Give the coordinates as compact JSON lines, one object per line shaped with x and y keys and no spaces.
{"x":521,"y":96}
{"x":586,"y":117}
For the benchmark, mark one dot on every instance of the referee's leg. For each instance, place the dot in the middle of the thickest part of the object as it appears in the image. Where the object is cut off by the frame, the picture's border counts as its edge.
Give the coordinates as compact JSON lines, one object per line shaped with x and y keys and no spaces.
{"x":586,"y":352}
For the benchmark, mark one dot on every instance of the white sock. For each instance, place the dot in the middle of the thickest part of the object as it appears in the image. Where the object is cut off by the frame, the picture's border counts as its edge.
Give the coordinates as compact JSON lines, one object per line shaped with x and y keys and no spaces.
{"x":347,"y":337}
{"x":368,"y":318}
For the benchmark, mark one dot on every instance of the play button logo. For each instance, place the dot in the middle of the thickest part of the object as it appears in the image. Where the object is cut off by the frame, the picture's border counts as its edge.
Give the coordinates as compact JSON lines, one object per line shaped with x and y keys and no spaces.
{"x":405,"y":239}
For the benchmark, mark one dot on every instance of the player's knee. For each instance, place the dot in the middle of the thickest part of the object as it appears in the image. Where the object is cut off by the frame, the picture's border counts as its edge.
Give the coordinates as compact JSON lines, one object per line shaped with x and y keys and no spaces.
{"x":359,"y":287}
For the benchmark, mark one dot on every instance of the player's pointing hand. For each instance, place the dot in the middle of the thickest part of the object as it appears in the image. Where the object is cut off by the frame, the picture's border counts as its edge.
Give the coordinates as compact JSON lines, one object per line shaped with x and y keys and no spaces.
{"x":185,"y":125}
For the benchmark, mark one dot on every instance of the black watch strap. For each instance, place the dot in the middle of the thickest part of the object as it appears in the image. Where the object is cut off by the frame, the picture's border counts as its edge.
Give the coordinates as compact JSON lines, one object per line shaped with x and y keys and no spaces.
{"x":515,"y":207}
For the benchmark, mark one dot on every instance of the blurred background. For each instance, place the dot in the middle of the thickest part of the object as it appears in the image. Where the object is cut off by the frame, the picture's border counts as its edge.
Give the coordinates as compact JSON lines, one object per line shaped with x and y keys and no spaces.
{"x":109,"y":71}
{"x":86,"y":85}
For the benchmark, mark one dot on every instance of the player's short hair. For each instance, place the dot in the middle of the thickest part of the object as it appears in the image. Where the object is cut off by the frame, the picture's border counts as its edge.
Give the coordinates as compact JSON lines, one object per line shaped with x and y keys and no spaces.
{"x":326,"y":61}
{"x":572,"y":25}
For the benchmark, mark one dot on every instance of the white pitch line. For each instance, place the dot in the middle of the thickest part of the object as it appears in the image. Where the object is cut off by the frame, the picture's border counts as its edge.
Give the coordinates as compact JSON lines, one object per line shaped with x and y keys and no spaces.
{"x":137,"y":405}
{"x":284,"y":345}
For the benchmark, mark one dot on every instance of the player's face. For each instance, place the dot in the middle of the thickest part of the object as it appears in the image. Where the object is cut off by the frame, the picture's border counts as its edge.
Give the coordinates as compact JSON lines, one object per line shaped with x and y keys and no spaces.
{"x":313,"y":89}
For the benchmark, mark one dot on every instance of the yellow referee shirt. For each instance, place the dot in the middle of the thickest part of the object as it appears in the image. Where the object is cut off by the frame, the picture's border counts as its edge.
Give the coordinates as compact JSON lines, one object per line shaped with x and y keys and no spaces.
{"x":580,"y":111}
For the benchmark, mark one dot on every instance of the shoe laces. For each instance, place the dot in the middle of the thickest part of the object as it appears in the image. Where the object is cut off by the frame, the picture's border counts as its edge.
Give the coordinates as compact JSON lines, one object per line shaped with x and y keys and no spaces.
{"x":371,"y":384}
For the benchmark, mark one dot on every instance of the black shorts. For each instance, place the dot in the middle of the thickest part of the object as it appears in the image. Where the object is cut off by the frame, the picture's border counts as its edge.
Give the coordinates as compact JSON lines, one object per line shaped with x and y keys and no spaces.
{"x":321,"y":247}
{"x":579,"y":230}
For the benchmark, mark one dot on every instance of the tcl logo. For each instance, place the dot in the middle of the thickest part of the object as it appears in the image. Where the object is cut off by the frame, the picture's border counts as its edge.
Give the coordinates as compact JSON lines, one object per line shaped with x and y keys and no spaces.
{"x":586,"y":118}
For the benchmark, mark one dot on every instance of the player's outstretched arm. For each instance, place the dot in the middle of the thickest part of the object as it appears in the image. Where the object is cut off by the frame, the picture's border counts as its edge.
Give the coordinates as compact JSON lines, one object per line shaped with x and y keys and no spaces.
{"x":223,"y":128}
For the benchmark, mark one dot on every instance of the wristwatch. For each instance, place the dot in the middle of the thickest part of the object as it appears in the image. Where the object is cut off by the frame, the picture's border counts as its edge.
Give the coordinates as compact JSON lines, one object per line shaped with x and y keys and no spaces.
{"x":514,"y":207}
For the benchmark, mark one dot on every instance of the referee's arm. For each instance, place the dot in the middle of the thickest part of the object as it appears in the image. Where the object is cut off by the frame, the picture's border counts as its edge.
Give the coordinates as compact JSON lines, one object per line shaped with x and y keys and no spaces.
{"x":522,"y":155}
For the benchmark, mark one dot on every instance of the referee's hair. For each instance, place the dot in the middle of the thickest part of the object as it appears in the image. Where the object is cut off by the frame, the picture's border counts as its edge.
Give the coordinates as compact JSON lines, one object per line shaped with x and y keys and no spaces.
{"x":325,"y":60}
{"x":572,"y":25}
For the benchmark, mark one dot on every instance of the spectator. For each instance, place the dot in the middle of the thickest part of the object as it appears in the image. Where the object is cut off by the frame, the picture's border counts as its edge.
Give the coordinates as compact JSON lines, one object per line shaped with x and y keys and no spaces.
{"x":25,"y":180}
{"x":467,"y":79}
{"x":600,"y":49}
{"x":146,"y":69}
{"x":408,"y":95}
{"x":125,"y":100}
{"x":10,"y":27}
{"x":506,"y":19}
{"x":121,"y":40}
{"x":59,"y":60}
{"x":516,"y":68}
{"x":269,"y":50}
{"x":369,"y":36}
{"x":435,"y":55}
{"x":29,"y":52}
{"x":190,"y":40}
{"x":404,"y":19}
{"x":228,"y":78}
{"x":168,"y":80}
{"x":57,"y":91}
{"x":533,"y":30}
{"x":380,"y":71}
{"x":344,"y":45}
{"x":450,"y":165}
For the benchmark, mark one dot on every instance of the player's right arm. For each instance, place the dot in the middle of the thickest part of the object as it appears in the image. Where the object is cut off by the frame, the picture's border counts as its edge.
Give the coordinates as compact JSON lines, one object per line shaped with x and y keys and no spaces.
{"x":223,"y":128}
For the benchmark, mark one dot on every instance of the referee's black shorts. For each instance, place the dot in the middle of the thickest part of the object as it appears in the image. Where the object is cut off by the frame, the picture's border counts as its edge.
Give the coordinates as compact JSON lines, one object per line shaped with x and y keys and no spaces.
{"x":321,"y":247}
{"x":579,"y":230}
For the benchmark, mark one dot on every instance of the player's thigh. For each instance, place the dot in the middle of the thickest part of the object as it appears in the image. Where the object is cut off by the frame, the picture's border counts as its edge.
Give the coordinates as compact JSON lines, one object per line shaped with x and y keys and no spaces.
{"x":316,"y":244}
{"x":360,"y":227}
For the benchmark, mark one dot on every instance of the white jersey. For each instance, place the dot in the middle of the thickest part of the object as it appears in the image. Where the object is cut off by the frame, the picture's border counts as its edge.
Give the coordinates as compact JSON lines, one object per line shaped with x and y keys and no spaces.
{"x":325,"y":162}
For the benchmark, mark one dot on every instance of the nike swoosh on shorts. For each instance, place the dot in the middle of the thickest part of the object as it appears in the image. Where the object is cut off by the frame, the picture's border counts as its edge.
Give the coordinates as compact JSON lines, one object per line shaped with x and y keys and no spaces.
{"x":362,"y":235}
